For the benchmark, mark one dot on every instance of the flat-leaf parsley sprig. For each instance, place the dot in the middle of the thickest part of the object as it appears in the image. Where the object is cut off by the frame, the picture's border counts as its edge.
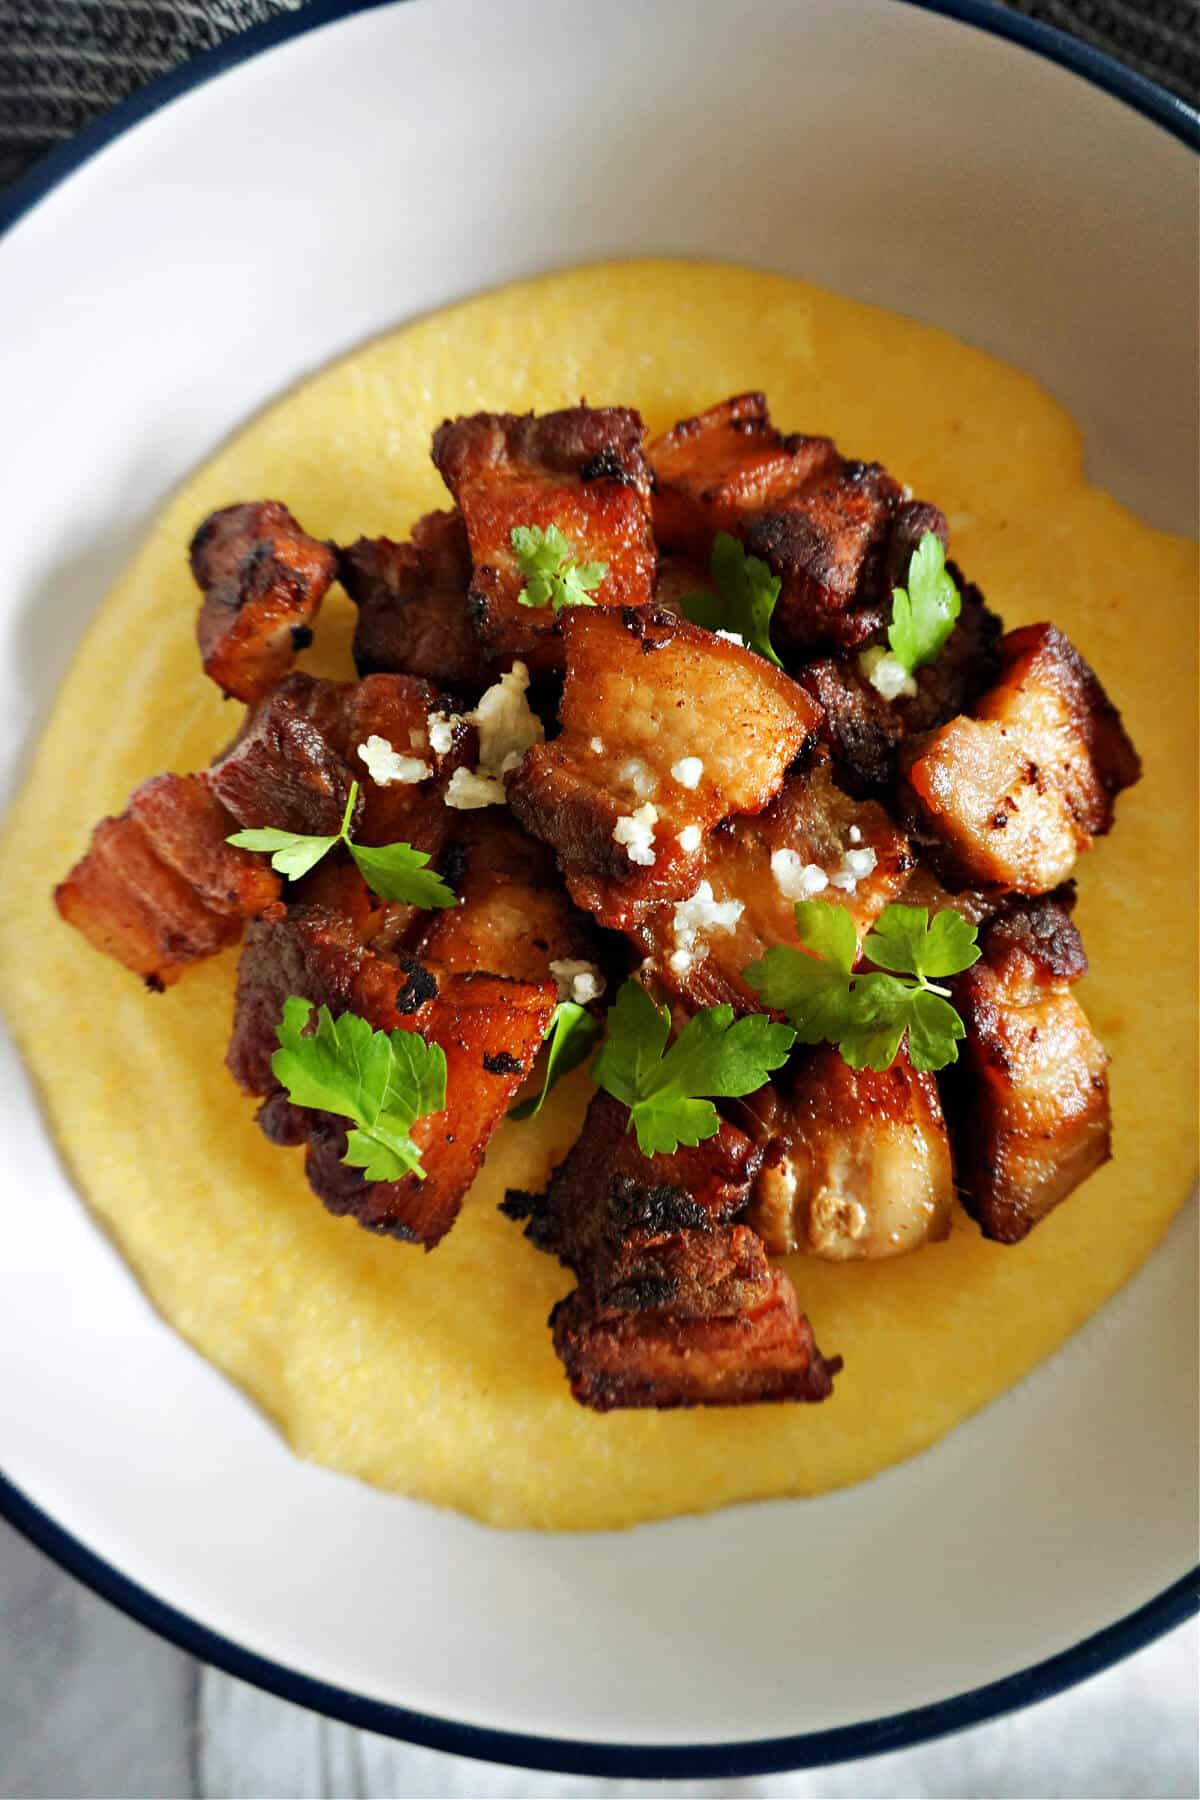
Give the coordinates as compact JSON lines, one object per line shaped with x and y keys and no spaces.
{"x":383,"y":1082}
{"x":867,"y":1014}
{"x":393,"y":871}
{"x":553,"y":574}
{"x":745,"y":598}
{"x":570,"y":1035}
{"x":924,"y":612}
{"x":668,"y":1091}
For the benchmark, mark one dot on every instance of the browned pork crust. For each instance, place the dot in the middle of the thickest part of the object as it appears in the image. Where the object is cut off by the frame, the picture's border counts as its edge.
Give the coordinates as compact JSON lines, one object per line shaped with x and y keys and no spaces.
{"x":514,"y":916}
{"x":412,"y":605}
{"x":490,"y":1028}
{"x":812,"y":819}
{"x":645,"y":692}
{"x":865,"y":733}
{"x":838,"y":534}
{"x":263,"y":580}
{"x":581,"y":470}
{"x":299,"y":750}
{"x":676,"y":1304}
{"x":1012,"y":794}
{"x":1028,"y":1099}
{"x":159,"y":887}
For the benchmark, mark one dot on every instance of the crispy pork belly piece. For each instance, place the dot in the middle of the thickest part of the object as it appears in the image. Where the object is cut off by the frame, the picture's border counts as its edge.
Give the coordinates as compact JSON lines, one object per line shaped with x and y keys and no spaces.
{"x":1012,"y":794}
{"x":623,"y":1359}
{"x":514,"y":915}
{"x":723,"y":466}
{"x":318,"y":953}
{"x":283,"y":768}
{"x":398,"y":709}
{"x":159,"y":887}
{"x":676,"y":1304}
{"x":412,"y":605}
{"x":831,"y":545}
{"x":856,"y":1164}
{"x":1028,"y":1098}
{"x":299,"y":750}
{"x":656,"y":714}
{"x":490,"y":1029}
{"x":262,"y":579}
{"x":864,"y":732}
{"x":582,"y":470}
{"x":805,"y":845}
{"x":838,"y":534}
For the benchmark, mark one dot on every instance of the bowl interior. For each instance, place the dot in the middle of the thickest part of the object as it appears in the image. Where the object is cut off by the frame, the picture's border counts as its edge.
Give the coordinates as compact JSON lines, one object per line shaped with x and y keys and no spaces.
{"x":361,"y":174}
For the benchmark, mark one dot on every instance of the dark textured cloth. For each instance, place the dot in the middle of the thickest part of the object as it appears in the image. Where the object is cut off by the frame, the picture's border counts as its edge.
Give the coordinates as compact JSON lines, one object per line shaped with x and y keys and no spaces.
{"x":64,"y":61}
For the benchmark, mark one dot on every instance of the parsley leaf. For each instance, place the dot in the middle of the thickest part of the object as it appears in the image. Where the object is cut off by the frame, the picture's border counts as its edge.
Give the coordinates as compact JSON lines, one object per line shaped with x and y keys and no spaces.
{"x":398,"y":872}
{"x":866,"y":1015}
{"x":291,"y":854}
{"x":667,"y":1094}
{"x":744,"y":600}
{"x":923,"y":614}
{"x":553,"y":576}
{"x":393,"y":871}
{"x":383,"y":1082}
{"x":570,"y":1034}
{"x":812,"y":990}
{"x":905,"y":939}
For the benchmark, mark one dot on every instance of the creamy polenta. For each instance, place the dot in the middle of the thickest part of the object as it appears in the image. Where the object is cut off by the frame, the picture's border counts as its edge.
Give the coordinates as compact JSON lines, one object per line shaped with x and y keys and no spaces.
{"x":435,"y":1375}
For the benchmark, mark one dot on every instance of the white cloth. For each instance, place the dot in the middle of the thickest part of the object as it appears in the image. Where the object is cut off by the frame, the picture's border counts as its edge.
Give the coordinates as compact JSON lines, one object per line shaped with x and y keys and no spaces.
{"x":1128,"y":1732}
{"x":92,"y":1706}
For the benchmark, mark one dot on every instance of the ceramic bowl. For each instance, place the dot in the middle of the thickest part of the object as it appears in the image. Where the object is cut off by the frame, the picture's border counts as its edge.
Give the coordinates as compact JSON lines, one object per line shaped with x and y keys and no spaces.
{"x":952,"y":162}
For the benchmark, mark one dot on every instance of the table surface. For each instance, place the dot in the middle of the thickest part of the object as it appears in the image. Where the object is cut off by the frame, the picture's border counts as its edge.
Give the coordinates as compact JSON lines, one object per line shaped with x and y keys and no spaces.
{"x":93,"y":1705}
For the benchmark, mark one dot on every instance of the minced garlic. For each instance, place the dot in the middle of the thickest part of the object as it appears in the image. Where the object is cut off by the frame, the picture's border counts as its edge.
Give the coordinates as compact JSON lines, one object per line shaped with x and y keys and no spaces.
{"x":387,"y":767}
{"x":636,"y":832}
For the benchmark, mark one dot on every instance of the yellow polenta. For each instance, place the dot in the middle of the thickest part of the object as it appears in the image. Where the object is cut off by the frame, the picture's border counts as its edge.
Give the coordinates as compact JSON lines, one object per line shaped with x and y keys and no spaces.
{"x":434,"y":1375}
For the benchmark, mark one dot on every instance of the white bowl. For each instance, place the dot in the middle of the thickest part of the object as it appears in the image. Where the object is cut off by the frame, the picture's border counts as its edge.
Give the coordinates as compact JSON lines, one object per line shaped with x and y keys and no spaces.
{"x":955,"y":163}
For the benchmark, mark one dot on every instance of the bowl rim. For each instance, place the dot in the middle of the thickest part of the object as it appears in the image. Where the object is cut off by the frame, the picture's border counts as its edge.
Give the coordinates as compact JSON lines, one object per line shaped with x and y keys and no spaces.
{"x":1039,"y":1681}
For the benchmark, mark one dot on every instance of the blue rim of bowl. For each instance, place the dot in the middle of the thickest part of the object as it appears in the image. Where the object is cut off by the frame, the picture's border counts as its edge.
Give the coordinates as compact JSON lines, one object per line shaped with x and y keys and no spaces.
{"x":761,"y":1756}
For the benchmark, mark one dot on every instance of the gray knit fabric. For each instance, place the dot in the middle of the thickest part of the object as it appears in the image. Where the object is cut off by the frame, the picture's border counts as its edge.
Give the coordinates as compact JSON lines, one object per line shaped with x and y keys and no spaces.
{"x":64,"y":61}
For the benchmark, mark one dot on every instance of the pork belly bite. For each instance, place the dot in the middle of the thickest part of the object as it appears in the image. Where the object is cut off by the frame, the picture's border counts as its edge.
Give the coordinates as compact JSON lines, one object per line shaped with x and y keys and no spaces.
{"x":490,"y":1029}
{"x":514,"y":916}
{"x":676,"y":1304}
{"x":856,"y":1164}
{"x":283,"y":769}
{"x":301,"y":748}
{"x":159,"y":887}
{"x":412,"y":605}
{"x":263,"y":580}
{"x":1012,"y":794}
{"x":865,"y":732}
{"x":581,"y":470}
{"x":1028,"y":1098}
{"x":723,"y":466}
{"x":838,"y":534}
{"x":812,"y":840}
{"x":665,"y":731}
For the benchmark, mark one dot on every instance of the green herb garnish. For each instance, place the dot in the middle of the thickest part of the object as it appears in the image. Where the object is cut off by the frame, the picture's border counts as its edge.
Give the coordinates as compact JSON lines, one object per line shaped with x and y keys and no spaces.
{"x":867,"y":1014}
{"x":924,"y":612}
{"x":393,"y":871}
{"x":570,"y":1034}
{"x":667,"y":1091}
{"x":553,"y":575}
{"x":384,"y":1082}
{"x":744,"y":600}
